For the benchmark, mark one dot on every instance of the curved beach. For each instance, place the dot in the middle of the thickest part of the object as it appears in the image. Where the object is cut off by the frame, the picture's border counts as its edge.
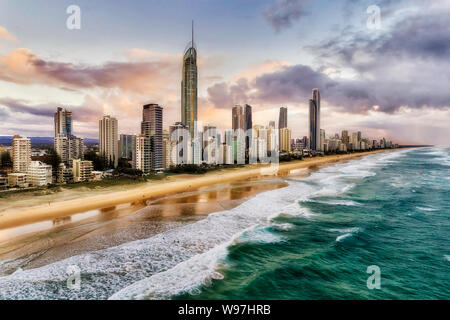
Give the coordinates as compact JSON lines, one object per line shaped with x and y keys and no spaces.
{"x":16,"y":217}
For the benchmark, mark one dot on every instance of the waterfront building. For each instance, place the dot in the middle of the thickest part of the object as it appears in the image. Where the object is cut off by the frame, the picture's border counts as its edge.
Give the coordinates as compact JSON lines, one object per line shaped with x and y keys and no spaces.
{"x":17,"y":179}
{"x":189,"y":87}
{"x":126,"y":146}
{"x":62,"y":123}
{"x":65,"y":174}
{"x":39,"y":174}
{"x":282,"y":121}
{"x":285,"y":140}
{"x":82,"y":170}
{"x":21,"y":154}
{"x":151,"y":127}
{"x":140,"y":158}
{"x":69,"y":148}
{"x":322,"y":138}
{"x":314,"y":121}
{"x":108,"y":140}
{"x":248,"y":125}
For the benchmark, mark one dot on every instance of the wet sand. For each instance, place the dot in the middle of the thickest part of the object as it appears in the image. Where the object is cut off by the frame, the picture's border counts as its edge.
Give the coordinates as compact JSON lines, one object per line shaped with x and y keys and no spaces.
{"x":56,"y":240}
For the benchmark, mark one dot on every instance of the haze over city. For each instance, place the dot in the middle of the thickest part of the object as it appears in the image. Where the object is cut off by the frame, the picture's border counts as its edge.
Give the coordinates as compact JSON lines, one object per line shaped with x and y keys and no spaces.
{"x":265,"y":53}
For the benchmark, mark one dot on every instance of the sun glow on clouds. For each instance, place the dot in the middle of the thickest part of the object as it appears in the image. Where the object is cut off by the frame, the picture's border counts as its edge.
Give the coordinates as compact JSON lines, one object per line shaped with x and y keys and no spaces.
{"x":392,"y":83}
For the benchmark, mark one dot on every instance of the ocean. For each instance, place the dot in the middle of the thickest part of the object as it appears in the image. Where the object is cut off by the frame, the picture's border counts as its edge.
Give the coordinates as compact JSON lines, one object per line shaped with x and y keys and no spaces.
{"x":317,"y":238}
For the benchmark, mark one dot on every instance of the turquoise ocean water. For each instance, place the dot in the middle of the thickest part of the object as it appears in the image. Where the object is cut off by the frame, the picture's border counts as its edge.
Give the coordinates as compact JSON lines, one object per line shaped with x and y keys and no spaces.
{"x":313,"y":239}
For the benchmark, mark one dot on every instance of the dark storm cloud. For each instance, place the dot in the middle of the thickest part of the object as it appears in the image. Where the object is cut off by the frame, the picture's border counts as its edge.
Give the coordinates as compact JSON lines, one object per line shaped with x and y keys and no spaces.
{"x":21,"y":106}
{"x":283,"y":13}
{"x":407,"y":66}
{"x":83,"y":113}
{"x":423,"y":35}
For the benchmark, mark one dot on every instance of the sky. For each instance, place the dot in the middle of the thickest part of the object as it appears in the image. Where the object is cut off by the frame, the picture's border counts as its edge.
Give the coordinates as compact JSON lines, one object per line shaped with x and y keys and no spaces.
{"x":387,"y":77}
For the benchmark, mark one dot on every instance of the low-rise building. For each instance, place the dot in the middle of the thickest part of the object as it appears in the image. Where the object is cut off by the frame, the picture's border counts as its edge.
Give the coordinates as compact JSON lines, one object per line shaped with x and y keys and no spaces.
{"x":82,"y":170}
{"x":65,"y":174}
{"x":39,"y":174}
{"x":17,"y":179}
{"x":3,"y":182}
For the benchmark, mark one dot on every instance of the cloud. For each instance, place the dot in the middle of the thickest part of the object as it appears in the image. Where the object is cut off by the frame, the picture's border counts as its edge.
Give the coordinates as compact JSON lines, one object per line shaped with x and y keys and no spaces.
{"x":83,"y":113}
{"x":24,"y":67}
{"x":405,"y":67}
{"x":283,"y":13}
{"x":5,"y":34}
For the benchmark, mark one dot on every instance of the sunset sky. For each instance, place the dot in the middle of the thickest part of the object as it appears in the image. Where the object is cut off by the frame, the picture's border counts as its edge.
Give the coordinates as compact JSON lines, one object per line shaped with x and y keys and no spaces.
{"x":393,"y":82}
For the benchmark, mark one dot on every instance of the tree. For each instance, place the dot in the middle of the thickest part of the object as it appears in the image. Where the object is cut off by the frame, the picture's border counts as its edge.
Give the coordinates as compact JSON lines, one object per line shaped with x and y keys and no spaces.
{"x":99,"y":162}
{"x":54,"y":160}
{"x":5,"y":160}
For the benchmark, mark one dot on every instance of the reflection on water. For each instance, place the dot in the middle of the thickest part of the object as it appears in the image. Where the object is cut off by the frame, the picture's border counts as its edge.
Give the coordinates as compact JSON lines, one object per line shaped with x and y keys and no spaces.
{"x":62,"y":220}
{"x":201,"y":202}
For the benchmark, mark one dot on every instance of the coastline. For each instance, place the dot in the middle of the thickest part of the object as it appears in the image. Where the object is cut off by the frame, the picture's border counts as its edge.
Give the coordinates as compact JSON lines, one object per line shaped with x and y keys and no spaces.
{"x":15,"y":217}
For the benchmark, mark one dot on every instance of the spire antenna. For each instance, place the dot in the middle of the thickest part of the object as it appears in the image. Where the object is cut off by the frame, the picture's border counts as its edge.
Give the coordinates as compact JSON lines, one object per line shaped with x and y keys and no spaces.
{"x":192,"y":33}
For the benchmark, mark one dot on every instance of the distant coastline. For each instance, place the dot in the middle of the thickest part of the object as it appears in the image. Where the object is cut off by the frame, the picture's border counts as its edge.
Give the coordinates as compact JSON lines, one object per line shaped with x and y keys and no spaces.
{"x":21,"y":216}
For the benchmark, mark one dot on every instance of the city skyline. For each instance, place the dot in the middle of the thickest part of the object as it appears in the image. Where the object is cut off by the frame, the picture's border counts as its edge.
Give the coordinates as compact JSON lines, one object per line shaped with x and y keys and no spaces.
{"x":148,"y":72}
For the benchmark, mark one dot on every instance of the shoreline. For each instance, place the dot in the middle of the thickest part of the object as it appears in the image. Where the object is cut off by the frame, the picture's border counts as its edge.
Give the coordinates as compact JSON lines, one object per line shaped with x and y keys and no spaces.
{"x":16,"y":217}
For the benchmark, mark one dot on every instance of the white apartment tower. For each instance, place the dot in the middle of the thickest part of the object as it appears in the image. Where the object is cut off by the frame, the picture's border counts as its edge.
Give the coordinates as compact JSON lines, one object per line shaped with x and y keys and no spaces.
{"x":21,"y":154}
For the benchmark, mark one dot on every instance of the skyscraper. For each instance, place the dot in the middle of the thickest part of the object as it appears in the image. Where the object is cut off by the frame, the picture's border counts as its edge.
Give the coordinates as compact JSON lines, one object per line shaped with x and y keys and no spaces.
{"x":248,"y":124}
{"x":314,"y":121}
{"x":238,"y":118}
{"x":108,"y":139}
{"x":282,"y":122}
{"x":126,"y":146}
{"x":285,"y":140}
{"x":189,"y":87}
{"x":345,"y":138}
{"x":67,"y":145}
{"x":63,"y":123}
{"x":151,"y":128}
{"x":238,"y":122}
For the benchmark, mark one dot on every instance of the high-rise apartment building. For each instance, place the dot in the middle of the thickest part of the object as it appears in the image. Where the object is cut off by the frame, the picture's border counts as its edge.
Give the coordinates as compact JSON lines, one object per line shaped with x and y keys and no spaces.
{"x":68,"y":146}
{"x":63,"y":122}
{"x":21,"y":154}
{"x":314,"y":121}
{"x":322,"y":138}
{"x":248,"y":125}
{"x":238,"y":119}
{"x":238,"y":123}
{"x":282,"y":121}
{"x":140,"y":157}
{"x":108,"y":140}
{"x":152,"y":128}
{"x":285,"y":140}
{"x":126,"y":146}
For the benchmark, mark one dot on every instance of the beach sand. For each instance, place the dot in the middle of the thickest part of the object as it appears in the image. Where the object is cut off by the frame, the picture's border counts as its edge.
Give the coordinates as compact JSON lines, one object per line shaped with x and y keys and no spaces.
{"x":20,"y":215}
{"x":37,"y":236}
{"x":39,"y":244}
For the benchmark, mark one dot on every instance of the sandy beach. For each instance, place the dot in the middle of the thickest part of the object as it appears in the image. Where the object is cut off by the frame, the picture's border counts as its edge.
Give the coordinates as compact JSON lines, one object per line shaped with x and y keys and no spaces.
{"x":20,"y":216}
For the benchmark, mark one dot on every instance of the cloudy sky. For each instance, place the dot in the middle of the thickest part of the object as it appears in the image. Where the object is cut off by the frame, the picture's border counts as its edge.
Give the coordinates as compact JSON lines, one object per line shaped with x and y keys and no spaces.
{"x":392,"y":81}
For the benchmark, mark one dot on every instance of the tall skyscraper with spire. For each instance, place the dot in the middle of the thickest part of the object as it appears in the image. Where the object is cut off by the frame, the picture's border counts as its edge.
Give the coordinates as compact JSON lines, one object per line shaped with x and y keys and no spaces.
{"x":189,"y":86}
{"x":314,"y":121}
